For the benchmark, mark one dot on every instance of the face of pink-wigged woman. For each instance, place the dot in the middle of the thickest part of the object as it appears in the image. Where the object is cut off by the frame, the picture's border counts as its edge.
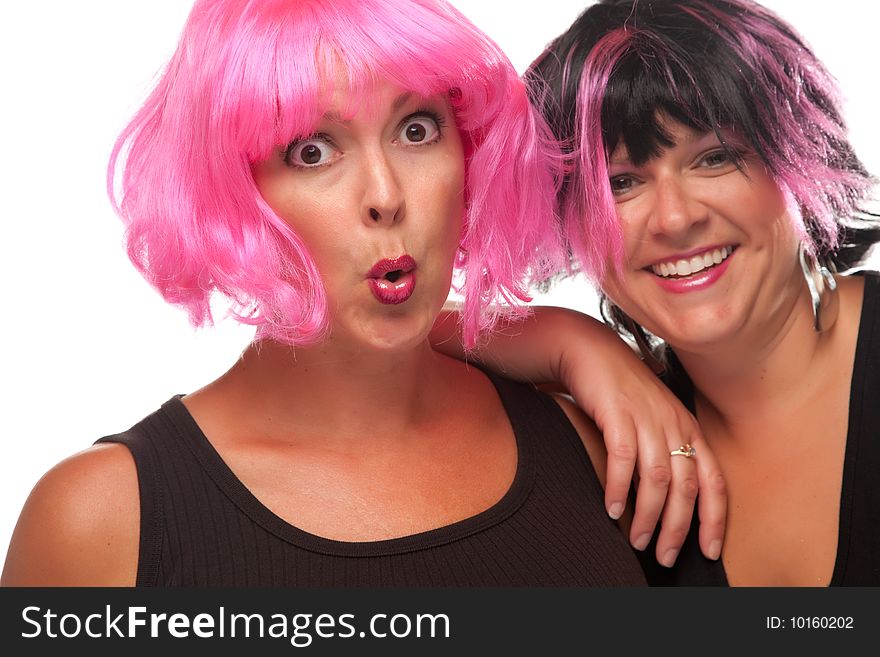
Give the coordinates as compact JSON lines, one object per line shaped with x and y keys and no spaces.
{"x":378,"y":200}
{"x":710,"y":253}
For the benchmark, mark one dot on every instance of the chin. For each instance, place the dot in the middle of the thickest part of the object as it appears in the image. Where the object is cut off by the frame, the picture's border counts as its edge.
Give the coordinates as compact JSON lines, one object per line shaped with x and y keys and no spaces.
{"x":394,"y":332}
{"x":699,"y":327}
{"x":399,"y":343}
{"x":703,"y":336}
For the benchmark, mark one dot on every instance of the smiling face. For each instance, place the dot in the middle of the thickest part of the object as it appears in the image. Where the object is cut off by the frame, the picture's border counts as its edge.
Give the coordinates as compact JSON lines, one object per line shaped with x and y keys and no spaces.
{"x":710,"y":251}
{"x":378,"y":200}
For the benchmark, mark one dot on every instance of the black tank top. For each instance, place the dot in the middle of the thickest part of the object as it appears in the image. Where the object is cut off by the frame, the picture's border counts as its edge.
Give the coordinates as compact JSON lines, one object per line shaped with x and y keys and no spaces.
{"x":858,"y":539}
{"x":201,"y":527}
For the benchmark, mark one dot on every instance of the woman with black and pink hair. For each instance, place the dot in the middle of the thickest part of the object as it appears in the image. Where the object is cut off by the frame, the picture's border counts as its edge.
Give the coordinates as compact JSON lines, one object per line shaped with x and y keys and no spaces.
{"x":325,"y":166}
{"x":713,"y":195}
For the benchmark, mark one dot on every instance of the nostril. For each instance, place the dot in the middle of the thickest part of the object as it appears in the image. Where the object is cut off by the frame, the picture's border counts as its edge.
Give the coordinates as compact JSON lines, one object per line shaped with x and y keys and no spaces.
{"x":374,"y":214}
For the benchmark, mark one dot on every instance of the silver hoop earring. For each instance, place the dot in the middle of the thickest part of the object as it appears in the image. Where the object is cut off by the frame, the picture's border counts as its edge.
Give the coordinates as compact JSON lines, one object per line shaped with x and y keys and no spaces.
{"x":823,"y":290}
{"x":656,"y":365}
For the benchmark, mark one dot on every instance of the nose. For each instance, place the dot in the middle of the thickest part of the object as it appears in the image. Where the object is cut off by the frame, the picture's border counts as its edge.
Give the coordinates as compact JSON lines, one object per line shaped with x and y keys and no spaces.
{"x":383,"y":202}
{"x":675,"y":209}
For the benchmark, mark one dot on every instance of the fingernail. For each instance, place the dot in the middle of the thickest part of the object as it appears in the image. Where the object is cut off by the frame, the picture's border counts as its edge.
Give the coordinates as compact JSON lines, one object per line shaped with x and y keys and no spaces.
{"x":642,"y":542}
{"x":714,"y":550}
{"x":669,"y":558}
{"x":616,"y":510}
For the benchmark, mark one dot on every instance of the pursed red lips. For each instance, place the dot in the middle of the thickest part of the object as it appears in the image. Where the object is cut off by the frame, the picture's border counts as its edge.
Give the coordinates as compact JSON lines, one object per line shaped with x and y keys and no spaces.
{"x":392,"y":281}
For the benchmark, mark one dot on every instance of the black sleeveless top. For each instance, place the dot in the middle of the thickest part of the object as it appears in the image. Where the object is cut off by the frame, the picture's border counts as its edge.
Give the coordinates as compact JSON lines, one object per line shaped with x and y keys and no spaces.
{"x":201,"y":527}
{"x":858,"y":540}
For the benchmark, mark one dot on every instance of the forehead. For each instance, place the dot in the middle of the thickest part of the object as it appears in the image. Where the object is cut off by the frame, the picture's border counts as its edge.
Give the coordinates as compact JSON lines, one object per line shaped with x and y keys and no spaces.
{"x":340,"y":101}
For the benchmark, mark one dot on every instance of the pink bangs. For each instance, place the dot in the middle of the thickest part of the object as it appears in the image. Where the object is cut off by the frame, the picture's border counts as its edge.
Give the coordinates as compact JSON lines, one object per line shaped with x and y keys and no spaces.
{"x":248,"y":76}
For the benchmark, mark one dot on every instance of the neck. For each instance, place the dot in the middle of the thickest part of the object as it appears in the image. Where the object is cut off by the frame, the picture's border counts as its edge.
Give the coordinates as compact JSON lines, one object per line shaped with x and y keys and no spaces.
{"x":333,"y":392}
{"x":759,"y":377}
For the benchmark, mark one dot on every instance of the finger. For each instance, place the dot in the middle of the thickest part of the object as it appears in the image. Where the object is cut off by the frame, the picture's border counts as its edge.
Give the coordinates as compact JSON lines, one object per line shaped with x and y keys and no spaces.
{"x":712,"y":500}
{"x":679,"y":510}
{"x":655,"y":474}
{"x":622,"y":447}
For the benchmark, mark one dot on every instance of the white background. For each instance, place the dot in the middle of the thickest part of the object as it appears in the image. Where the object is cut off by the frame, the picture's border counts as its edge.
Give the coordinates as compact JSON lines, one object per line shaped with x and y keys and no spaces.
{"x":89,"y":348}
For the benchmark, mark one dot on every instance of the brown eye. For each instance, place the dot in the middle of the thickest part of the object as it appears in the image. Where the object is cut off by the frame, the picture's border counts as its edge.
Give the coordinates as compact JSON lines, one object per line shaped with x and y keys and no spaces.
{"x":621,"y":184}
{"x":420,"y":129}
{"x":309,"y":153}
{"x":716,"y":159}
{"x":415,"y":132}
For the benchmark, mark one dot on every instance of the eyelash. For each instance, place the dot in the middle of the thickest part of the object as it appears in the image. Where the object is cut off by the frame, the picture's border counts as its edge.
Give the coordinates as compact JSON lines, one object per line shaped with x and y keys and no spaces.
{"x":438,"y":120}
{"x":620,"y":177}
{"x":317,"y":136}
{"x":728,"y":157}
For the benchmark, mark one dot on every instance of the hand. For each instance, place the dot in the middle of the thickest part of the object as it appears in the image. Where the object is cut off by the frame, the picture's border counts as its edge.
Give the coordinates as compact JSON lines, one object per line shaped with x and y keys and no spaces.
{"x":642,"y":422}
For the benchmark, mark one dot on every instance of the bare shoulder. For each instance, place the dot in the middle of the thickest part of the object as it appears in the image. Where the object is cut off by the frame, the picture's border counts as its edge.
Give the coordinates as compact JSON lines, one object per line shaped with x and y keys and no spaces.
{"x":80,"y":525}
{"x":589,"y":433}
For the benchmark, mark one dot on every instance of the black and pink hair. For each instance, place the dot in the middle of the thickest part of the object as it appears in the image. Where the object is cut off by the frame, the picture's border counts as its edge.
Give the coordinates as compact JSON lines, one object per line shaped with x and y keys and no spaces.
{"x":710,"y":65}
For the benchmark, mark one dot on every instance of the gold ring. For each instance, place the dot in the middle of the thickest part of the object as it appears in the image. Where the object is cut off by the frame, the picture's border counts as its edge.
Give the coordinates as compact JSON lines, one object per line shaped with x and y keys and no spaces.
{"x":685,"y":450}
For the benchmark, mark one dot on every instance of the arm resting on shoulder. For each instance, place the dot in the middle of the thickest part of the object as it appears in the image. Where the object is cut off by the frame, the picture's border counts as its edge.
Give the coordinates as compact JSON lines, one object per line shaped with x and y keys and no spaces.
{"x":640,"y":419}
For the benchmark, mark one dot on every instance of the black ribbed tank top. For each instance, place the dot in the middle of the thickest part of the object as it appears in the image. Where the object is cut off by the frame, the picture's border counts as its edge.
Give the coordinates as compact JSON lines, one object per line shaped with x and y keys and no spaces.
{"x":857,"y":562}
{"x":201,"y":527}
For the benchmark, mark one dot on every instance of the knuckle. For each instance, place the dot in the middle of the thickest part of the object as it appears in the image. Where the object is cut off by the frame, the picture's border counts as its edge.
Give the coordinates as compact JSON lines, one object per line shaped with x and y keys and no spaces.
{"x":659,"y":475}
{"x":688,"y":487}
{"x":716,"y":483}
{"x":675,"y":534}
{"x":622,"y":450}
{"x":713,"y":527}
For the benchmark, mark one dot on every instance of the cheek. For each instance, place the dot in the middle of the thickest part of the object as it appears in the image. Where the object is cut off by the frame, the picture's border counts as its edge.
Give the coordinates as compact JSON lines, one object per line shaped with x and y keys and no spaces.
{"x":632,"y":224}
{"x":616,"y":291}
{"x":631,"y":296}
{"x":442,"y":197}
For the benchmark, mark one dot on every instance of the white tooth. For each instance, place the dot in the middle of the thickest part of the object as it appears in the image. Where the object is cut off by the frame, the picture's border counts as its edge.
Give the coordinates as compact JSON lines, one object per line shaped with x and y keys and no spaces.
{"x":696,"y":264}
{"x":664,"y":269}
{"x":707,"y":260}
{"x":725,"y":252}
{"x":682,"y":268}
{"x":717,"y":258}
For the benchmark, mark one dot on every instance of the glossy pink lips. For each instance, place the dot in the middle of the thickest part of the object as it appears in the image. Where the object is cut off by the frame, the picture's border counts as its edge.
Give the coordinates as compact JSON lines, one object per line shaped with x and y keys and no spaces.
{"x":699,"y":281}
{"x":393,"y":281}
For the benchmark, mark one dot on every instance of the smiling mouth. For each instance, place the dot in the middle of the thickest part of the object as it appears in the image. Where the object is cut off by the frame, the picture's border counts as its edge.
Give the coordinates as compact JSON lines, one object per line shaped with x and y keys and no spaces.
{"x":689,"y":266}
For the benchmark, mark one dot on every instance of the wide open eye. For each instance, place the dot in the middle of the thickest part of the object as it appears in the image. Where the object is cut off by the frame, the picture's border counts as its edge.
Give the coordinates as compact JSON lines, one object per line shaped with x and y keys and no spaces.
{"x":310,"y":153}
{"x":420,"y":128}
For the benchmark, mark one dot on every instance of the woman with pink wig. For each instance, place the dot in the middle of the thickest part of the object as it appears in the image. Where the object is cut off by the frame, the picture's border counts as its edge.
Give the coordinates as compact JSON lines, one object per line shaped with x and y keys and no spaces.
{"x":713,"y":194}
{"x":326,"y":166}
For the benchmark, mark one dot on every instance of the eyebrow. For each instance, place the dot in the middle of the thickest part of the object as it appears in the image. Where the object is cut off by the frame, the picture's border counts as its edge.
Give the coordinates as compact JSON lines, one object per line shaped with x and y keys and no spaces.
{"x":399,"y":102}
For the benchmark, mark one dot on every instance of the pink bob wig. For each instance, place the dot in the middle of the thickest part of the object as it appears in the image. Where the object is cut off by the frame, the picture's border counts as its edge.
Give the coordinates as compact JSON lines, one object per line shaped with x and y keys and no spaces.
{"x":250,"y":75}
{"x":711,"y":65}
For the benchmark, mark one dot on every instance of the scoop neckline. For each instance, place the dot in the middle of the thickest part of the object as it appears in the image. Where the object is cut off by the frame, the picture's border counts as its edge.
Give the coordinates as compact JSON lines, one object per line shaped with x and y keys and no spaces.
{"x":209,"y":458}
